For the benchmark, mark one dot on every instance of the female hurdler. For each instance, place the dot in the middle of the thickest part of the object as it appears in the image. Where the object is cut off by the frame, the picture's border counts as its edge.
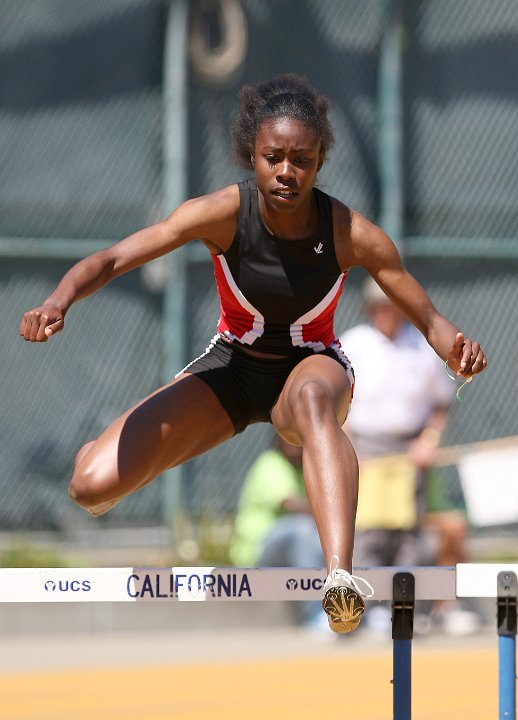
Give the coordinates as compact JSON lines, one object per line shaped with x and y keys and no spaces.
{"x":281,"y":250}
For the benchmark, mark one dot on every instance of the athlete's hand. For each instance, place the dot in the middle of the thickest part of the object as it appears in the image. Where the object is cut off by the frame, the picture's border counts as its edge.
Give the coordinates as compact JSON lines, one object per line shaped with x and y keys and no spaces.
{"x":39,"y":324}
{"x":466,"y":358}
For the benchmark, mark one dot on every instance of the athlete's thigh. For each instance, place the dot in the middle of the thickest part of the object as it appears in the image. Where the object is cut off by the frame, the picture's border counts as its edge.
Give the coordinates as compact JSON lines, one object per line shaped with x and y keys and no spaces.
{"x":175,"y":423}
{"x":327,"y":373}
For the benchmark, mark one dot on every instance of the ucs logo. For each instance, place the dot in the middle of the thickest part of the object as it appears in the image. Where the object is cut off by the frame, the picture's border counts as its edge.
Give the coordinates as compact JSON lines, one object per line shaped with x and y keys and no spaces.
{"x":68,"y":586}
{"x":305,"y":584}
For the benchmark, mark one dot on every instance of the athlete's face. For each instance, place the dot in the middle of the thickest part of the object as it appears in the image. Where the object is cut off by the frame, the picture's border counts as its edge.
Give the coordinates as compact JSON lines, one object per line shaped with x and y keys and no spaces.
{"x":286,"y":161}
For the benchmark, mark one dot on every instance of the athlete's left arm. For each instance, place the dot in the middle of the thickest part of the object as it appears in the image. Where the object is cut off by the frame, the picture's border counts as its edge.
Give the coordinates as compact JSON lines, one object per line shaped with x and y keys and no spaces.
{"x":361,"y":243}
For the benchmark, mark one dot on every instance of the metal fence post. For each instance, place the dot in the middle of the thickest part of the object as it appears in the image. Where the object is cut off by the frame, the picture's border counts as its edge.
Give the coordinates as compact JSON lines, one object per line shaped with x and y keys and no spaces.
{"x":390,"y":124}
{"x":175,"y":190}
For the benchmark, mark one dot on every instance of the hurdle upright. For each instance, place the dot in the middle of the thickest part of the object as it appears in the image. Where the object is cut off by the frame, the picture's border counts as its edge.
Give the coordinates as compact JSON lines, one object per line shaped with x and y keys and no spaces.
{"x":402,"y":586}
{"x":497,"y":581}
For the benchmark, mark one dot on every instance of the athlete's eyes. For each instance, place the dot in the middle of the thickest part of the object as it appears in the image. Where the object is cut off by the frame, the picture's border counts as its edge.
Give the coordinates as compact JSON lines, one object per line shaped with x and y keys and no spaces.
{"x":275,"y":160}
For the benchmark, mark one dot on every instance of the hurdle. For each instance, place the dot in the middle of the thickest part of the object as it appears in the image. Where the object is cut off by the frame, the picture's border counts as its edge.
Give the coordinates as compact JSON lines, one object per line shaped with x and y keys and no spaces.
{"x":401,"y":586}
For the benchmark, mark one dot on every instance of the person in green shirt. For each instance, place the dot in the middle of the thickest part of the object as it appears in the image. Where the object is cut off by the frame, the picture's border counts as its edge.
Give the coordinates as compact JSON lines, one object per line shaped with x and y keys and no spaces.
{"x":274,"y":526}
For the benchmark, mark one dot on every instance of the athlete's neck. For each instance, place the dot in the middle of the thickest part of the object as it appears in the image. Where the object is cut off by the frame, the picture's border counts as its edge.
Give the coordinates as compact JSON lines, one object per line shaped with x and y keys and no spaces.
{"x":301,"y":223}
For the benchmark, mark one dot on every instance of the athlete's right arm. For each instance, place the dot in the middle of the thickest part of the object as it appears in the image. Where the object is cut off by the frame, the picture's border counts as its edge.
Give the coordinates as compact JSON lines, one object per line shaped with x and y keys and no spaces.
{"x":210,"y":217}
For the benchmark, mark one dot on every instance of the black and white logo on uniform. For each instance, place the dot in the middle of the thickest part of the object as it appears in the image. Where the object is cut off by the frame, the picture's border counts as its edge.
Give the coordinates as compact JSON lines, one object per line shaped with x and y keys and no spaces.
{"x":50,"y":586}
{"x":291,"y":584}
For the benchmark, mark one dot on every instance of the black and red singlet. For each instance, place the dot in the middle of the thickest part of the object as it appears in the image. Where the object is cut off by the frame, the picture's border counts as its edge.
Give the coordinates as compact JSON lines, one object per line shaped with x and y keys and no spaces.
{"x":278,"y":294}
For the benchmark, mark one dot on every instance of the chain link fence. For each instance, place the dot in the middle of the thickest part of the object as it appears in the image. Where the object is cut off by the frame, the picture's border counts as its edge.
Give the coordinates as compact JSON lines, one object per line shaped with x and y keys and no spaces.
{"x":461,"y":119}
{"x":80,"y":157}
{"x":59,"y":394}
{"x":80,"y":117}
{"x":81,"y":143}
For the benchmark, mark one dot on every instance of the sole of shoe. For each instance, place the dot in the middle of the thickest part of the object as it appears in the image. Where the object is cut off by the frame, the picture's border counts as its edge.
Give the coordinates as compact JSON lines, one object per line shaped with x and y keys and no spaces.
{"x":344,"y":608}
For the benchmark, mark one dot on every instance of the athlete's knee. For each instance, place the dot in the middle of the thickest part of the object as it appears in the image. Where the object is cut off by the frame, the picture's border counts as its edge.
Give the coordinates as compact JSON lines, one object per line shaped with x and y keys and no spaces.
{"x":84,"y":490}
{"x":83,"y":451}
{"x":313,"y":399}
{"x":87,"y":487}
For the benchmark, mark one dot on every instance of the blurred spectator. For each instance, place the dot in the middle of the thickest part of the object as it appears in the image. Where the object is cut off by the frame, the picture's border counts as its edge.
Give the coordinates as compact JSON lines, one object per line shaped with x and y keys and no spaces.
{"x":274,"y":526}
{"x":399,"y":413}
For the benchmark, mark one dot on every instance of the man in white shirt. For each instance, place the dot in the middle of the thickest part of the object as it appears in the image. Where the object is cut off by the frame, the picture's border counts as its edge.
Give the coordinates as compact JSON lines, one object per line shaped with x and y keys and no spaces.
{"x":401,"y":401}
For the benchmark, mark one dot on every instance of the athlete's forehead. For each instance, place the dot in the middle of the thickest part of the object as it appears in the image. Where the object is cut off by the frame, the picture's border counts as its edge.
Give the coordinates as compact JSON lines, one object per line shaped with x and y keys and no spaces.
{"x":286,"y":133}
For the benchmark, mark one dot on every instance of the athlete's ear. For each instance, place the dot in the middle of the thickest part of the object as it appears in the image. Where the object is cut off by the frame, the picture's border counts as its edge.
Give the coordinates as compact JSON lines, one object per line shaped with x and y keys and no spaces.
{"x":252,"y":160}
{"x":320,"y":161}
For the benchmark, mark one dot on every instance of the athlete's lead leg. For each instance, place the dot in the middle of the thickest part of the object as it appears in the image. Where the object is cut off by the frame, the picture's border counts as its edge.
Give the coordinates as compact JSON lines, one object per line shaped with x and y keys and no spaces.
{"x":310,"y":412}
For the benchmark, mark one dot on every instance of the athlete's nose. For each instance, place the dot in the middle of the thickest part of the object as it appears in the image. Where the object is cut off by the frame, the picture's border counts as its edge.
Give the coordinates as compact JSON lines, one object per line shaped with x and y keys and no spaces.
{"x":285,"y":170}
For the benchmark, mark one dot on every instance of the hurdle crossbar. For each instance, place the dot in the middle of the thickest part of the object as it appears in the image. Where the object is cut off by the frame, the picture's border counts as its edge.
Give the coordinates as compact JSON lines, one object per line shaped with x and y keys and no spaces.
{"x":141,"y":584}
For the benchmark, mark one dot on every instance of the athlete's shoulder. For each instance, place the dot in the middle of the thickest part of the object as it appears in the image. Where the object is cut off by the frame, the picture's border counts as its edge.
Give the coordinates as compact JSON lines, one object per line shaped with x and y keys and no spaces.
{"x":369,"y":245}
{"x":342,"y":213}
{"x":364,"y":230}
{"x":352,"y":233}
{"x":219,"y":203}
{"x":211,"y":218}
{"x":350,"y":220}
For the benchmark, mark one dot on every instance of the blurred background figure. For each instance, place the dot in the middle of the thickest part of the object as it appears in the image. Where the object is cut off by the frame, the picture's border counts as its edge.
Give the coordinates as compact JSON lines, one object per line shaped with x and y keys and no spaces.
{"x":398,"y":416}
{"x":274,"y":526}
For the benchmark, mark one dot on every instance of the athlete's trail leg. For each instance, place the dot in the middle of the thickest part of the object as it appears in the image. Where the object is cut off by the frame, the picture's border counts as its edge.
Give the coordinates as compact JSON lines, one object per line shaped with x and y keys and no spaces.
{"x":177,"y":422}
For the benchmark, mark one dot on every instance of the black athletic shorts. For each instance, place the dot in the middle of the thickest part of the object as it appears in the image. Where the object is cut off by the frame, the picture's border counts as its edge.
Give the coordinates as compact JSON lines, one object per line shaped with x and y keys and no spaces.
{"x":247,"y":386}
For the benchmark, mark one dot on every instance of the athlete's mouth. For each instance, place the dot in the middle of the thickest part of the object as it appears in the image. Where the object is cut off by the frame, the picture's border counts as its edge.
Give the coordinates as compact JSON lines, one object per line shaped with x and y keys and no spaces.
{"x":286,"y":194}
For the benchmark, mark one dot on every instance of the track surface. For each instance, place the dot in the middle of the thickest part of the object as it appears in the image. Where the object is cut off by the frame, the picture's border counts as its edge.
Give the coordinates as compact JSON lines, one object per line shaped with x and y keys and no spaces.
{"x":260,"y":675}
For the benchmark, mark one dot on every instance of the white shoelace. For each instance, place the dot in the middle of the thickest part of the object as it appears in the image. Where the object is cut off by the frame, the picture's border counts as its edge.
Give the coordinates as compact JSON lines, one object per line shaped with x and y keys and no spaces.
{"x":335,"y":571}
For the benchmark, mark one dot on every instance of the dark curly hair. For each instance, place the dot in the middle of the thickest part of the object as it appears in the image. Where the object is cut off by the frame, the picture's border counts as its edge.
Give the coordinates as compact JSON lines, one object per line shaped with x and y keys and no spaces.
{"x":287,"y":95}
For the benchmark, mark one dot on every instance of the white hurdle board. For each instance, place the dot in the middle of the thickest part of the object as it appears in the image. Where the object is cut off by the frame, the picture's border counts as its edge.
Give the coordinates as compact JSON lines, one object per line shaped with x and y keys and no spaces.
{"x":144,"y":584}
{"x":480,"y":579}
